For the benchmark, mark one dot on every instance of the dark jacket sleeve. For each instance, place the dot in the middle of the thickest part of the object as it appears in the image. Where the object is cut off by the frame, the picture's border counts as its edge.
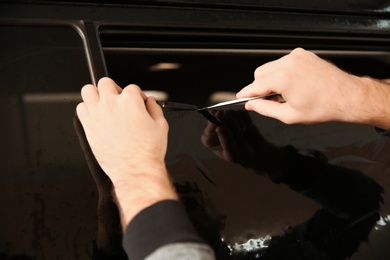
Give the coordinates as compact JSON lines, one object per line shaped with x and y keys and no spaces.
{"x":163,"y":223}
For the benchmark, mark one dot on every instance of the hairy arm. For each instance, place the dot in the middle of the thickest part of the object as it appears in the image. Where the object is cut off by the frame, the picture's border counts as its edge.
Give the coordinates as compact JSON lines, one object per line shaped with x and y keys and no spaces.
{"x":317,"y":91}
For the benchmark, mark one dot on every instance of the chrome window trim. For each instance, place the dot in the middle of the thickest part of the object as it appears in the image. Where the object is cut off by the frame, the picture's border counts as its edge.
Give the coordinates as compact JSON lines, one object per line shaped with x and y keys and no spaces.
{"x":86,"y":33}
{"x":242,"y":51}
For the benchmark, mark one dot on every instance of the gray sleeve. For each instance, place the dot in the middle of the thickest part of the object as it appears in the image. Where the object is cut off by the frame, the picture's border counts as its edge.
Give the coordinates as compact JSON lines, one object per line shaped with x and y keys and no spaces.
{"x":193,"y":251}
{"x":163,"y":223}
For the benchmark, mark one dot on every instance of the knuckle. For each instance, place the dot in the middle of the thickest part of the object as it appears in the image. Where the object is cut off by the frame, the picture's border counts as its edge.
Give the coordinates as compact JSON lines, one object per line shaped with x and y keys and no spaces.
{"x":132,"y":88}
{"x":298,"y":51}
{"x":296,"y":55}
{"x":87,"y":91}
{"x":87,"y":88}
{"x":257,"y":71}
{"x":80,"y":109}
{"x":105,"y":81}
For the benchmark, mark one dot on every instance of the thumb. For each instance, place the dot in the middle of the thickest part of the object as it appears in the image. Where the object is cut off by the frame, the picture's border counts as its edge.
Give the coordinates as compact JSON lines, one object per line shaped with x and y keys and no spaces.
{"x":154,"y":109}
{"x":268,"y":108}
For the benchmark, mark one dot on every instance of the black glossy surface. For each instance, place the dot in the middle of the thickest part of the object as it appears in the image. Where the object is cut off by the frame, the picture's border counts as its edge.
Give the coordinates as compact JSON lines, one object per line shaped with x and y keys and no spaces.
{"x":379,"y":6}
{"x":48,"y":201}
{"x":328,"y":206}
{"x":202,"y":74}
{"x":188,"y":18}
{"x":266,"y":206}
{"x":51,"y":206}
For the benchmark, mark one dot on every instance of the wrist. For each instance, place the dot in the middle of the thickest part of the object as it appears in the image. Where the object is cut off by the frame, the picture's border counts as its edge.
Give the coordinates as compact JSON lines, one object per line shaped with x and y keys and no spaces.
{"x":375,"y":107}
{"x":123,"y":173}
{"x":141,"y":190}
{"x":367,"y":103}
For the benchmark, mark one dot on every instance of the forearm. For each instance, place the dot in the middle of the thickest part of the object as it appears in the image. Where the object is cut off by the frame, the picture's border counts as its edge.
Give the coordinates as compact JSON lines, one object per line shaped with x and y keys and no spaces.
{"x":380,"y":103}
{"x":136,"y":192}
{"x":370,"y":103}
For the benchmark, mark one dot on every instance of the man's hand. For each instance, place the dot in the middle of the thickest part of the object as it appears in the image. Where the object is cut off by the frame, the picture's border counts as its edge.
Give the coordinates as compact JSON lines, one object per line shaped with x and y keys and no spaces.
{"x":128,"y":136}
{"x":317,"y":91}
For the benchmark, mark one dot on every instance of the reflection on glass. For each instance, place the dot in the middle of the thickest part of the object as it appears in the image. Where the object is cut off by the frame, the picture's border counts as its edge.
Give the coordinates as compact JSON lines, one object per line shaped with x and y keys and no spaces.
{"x":48,"y":202}
{"x":251,"y":198}
{"x":382,"y":222}
{"x":108,"y":241}
{"x":295,"y":204}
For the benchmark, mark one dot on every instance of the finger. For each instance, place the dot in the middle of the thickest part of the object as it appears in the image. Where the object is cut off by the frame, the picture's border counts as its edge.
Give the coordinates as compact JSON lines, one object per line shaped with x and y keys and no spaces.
{"x":136,"y":90}
{"x":81,"y":111}
{"x":155,"y":111}
{"x":90,"y":94}
{"x":268,"y":108}
{"x":134,"y":97}
{"x":107,"y":86}
{"x":217,"y":113}
{"x":227,"y":143}
{"x":209,"y":138}
{"x":269,"y":67}
{"x":271,"y":83}
{"x":261,"y":87}
{"x":264,"y":70}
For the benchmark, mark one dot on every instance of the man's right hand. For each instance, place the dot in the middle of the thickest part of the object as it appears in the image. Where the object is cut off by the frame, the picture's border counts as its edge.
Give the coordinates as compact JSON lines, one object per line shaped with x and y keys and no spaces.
{"x":317,"y":91}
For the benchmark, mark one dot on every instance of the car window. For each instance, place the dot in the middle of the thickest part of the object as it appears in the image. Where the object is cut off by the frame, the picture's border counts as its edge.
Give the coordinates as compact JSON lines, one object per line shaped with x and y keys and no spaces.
{"x":231,"y":193}
{"x":54,"y":208}
{"x":48,"y":197}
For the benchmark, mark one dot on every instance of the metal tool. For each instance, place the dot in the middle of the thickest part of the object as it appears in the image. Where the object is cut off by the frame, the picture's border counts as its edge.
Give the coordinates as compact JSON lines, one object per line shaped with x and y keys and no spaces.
{"x":188,"y":107}
{"x":177,"y":106}
{"x":174,"y":106}
{"x":237,"y":101}
{"x":181,"y":107}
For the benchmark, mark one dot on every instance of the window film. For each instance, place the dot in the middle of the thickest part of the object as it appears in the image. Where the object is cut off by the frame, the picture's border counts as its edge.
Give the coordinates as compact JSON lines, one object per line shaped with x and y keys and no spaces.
{"x":48,"y":202}
{"x":273,"y":191}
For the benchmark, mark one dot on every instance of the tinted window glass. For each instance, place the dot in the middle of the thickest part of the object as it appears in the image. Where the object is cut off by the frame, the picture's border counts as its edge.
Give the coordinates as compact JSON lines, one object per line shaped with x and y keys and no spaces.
{"x":277,"y":191}
{"x":48,"y":199}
